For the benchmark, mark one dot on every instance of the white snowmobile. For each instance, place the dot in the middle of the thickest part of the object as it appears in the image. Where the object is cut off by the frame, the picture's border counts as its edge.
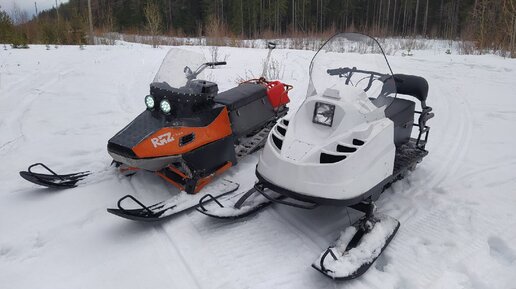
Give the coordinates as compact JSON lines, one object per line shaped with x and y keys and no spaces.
{"x":349,"y":141}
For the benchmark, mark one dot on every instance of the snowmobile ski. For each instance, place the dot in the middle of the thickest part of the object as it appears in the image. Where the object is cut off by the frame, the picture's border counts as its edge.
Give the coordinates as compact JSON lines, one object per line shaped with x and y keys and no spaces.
{"x":176,"y":204}
{"x":233,"y":206}
{"x":357,"y":248}
{"x":242,"y":204}
{"x":53,"y":180}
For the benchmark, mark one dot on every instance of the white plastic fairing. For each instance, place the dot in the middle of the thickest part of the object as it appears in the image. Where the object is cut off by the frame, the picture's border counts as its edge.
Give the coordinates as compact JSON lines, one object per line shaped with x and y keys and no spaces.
{"x":298,"y":165}
{"x":339,"y":144}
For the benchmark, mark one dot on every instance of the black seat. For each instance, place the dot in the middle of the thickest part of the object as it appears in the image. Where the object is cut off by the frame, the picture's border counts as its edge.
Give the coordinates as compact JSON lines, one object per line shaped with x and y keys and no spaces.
{"x":412,"y":85}
{"x":401,"y":111}
{"x":241,"y":95}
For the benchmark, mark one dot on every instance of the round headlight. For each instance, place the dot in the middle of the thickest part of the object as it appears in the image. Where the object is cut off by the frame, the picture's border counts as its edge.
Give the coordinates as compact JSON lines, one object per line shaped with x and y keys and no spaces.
{"x":149,"y":101}
{"x":165,"y":106}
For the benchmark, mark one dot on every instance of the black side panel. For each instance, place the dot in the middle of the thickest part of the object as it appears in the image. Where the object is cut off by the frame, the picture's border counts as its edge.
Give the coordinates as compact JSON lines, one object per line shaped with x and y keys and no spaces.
{"x":210,"y":157}
{"x":241,"y":95}
{"x":251,"y":116}
{"x":249,"y":107}
{"x":412,"y":85}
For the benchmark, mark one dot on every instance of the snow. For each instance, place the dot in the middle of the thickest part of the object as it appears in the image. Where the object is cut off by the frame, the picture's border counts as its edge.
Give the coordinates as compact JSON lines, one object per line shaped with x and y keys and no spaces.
{"x":60,"y":106}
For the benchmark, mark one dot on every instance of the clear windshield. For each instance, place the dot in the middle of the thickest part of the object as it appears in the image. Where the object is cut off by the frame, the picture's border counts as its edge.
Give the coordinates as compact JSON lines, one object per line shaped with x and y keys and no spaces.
{"x":353,"y":59}
{"x":178,"y":65}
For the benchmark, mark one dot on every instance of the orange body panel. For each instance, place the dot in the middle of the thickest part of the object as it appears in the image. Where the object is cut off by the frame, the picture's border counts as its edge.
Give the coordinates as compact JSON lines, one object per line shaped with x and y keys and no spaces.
{"x":201,"y":182}
{"x":165,"y":142}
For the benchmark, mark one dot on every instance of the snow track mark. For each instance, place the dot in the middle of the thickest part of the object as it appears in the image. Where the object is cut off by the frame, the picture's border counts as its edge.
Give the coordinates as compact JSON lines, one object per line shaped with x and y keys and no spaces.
{"x":501,"y":251}
{"x":456,"y":138}
{"x":416,"y":243}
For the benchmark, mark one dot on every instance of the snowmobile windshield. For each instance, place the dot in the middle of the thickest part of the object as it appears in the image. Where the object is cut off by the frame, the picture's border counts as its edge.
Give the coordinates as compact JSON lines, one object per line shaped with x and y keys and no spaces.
{"x":179,"y":66}
{"x":356,"y":60}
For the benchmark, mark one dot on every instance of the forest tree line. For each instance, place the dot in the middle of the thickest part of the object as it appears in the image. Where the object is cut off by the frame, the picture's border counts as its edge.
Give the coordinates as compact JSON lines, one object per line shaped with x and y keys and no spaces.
{"x":491,"y":24}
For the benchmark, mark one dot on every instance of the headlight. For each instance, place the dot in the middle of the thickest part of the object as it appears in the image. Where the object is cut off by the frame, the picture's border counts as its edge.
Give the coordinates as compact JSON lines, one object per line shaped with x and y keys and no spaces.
{"x":149,"y":101}
{"x":323,"y":113}
{"x":165,"y":106}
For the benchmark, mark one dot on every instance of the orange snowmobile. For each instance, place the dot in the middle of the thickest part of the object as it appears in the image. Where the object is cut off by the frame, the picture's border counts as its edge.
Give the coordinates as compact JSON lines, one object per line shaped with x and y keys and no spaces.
{"x":188,"y":134}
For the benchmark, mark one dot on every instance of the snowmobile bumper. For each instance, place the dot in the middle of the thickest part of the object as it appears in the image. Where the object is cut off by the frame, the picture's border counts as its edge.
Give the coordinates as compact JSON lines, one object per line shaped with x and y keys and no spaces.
{"x":149,"y":164}
{"x":376,"y":190}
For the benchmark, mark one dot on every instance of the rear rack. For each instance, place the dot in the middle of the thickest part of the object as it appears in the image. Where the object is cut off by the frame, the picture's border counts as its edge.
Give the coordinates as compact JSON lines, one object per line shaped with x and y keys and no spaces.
{"x":424,"y":129}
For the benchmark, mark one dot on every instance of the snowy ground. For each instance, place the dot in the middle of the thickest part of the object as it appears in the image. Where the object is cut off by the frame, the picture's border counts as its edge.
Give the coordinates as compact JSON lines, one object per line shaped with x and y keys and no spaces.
{"x":457,"y":210}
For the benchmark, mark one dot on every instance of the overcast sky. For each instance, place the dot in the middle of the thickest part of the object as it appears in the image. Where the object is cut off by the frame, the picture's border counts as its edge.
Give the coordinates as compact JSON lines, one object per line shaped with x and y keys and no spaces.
{"x":28,"y":5}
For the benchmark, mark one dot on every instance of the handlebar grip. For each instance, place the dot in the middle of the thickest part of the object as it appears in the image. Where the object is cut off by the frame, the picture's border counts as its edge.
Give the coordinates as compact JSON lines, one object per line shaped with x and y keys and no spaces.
{"x":215,"y":63}
{"x":338,"y":71}
{"x":334,"y":71}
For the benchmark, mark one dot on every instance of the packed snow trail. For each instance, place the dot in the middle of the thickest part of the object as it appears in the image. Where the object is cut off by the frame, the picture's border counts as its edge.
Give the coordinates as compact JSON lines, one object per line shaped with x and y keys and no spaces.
{"x":60,"y":106}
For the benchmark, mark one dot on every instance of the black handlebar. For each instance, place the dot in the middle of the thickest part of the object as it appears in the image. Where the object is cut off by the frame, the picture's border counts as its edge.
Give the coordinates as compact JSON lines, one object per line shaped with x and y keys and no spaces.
{"x":215,"y":63}
{"x":347,"y":73}
{"x":412,"y":85}
{"x":344,"y":70}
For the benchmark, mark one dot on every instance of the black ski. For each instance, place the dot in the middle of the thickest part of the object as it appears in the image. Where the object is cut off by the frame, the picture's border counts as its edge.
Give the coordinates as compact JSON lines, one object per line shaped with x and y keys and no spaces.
{"x":53,"y":180}
{"x":232,"y":206}
{"x":172,"y":206}
{"x":344,"y":263}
